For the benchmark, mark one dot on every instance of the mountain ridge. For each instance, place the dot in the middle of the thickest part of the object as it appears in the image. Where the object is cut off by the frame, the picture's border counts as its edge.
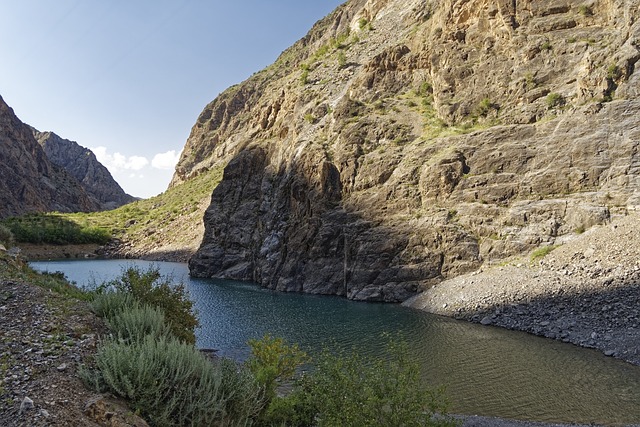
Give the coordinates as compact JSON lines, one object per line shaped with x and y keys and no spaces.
{"x":83,"y":165}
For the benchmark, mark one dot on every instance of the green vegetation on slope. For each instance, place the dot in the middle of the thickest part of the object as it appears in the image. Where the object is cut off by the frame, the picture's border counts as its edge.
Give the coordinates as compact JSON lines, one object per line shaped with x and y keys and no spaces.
{"x":134,"y":221}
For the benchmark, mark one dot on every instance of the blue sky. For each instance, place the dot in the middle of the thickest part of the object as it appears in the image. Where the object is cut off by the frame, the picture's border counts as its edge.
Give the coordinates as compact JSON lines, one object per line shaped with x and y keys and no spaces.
{"x":128,"y":78}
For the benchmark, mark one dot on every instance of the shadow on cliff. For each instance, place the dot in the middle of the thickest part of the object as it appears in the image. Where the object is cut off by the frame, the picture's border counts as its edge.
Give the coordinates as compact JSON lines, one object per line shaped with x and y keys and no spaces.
{"x":286,"y":227}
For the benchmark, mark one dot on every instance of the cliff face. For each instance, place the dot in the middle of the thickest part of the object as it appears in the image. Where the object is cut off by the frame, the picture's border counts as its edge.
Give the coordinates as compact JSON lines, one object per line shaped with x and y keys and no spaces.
{"x":82,"y":164}
{"x":402,"y":142}
{"x":29,"y":182}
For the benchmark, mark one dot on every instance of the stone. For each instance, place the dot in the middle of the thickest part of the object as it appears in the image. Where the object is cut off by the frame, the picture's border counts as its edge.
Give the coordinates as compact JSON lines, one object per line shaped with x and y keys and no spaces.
{"x":26,"y":405}
{"x":486,"y":321}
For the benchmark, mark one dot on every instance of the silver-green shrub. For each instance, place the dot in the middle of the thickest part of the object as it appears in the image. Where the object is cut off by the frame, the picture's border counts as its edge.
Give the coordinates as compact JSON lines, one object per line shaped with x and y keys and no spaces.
{"x":172,"y":384}
{"x":108,"y":303}
{"x":137,"y":322}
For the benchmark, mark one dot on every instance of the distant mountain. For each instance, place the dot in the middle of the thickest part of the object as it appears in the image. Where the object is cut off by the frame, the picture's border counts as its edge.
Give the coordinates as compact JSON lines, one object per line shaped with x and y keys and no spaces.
{"x":82,"y":164}
{"x":29,"y":182}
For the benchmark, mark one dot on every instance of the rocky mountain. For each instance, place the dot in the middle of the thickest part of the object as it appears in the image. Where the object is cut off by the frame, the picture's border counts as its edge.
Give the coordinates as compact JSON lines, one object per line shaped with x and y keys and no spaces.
{"x":29,"y":182}
{"x":404,"y":142}
{"x":82,"y":164}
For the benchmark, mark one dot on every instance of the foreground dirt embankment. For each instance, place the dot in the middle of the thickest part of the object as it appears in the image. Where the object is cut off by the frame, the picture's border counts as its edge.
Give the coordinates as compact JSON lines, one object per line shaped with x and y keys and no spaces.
{"x":586,"y":292}
{"x":44,"y":338}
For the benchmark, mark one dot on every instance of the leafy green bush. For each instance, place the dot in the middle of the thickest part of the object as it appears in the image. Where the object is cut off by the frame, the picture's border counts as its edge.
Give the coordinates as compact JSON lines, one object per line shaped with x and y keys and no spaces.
{"x":151,"y":288}
{"x":272,"y":362}
{"x":6,"y":236}
{"x":55,"y":229}
{"x":542,"y":252}
{"x":348,"y":390}
{"x":171,"y":383}
{"x":554,"y":100}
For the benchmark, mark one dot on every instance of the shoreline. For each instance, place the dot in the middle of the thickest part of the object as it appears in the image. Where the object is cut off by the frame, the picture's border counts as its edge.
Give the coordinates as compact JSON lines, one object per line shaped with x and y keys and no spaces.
{"x":585,"y":292}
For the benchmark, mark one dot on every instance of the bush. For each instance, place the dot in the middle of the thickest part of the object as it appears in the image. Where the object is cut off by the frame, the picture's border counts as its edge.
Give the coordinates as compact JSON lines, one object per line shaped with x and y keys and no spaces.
{"x":137,"y":323}
{"x":107,"y":304}
{"x":554,"y":100}
{"x":171,"y":383}
{"x":348,"y":390}
{"x":6,"y":236}
{"x":150,"y":288}
{"x":272,"y":362}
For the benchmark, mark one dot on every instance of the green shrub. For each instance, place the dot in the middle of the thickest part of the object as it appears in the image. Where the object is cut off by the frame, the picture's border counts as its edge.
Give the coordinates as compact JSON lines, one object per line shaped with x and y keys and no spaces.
{"x":55,"y":229}
{"x":273,"y":361}
{"x":107,"y":303}
{"x":350,"y":390}
{"x":6,"y":236}
{"x":614,"y":72}
{"x":542,"y":252}
{"x":138,"y":322}
{"x":554,"y":100}
{"x":585,"y":10}
{"x":171,"y":383}
{"x":151,"y":288}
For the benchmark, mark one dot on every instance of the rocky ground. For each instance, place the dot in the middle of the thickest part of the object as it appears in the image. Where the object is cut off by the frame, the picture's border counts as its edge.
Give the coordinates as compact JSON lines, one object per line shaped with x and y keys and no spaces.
{"x":46,"y":337}
{"x":586,"y":292}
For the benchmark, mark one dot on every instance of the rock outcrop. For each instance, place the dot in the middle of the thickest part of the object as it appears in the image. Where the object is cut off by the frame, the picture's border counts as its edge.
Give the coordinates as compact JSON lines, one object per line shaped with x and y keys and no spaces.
{"x":403,"y":142}
{"x":82,"y":164}
{"x":29,"y":182}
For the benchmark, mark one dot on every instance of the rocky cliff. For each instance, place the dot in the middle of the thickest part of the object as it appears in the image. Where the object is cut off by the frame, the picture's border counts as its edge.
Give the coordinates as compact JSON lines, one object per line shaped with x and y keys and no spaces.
{"x":403,"y":142}
{"x":82,"y":164}
{"x":29,"y":182}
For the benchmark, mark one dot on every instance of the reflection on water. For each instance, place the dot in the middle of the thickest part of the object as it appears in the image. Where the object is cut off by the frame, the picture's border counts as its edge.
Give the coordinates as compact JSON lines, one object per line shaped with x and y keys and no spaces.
{"x":487,"y":371}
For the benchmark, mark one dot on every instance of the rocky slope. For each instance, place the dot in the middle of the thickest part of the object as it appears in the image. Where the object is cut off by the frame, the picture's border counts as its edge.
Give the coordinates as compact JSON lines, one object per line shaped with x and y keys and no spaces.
{"x":29,"y":182}
{"x":82,"y":164}
{"x":46,"y":338}
{"x":404,"y":142}
{"x":586,"y":292}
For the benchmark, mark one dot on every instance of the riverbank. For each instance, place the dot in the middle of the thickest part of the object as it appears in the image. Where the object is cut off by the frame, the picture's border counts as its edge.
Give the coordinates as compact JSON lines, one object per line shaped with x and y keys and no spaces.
{"x":47,"y":334}
{"x":56,"y":392}
{"x":585,"y":292}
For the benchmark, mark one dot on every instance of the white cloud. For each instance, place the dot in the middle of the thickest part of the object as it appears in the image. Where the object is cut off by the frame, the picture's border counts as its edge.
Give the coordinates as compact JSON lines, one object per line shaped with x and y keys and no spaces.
{"x":117,"y":162}
{"x":165,"y":161}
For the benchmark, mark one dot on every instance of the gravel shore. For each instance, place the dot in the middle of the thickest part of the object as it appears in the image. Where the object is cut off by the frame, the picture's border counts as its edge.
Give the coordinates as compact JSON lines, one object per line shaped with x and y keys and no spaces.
{"x":585,"y":292}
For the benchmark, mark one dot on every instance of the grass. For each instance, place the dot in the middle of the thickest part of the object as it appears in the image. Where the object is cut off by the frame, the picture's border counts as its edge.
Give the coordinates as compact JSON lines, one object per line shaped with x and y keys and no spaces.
{"x":542,"y":252}
{"x":135,"y":221}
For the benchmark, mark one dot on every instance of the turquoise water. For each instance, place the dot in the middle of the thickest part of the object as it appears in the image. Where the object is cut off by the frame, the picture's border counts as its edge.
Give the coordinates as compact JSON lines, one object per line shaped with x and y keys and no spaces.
{"x":486,"y":370}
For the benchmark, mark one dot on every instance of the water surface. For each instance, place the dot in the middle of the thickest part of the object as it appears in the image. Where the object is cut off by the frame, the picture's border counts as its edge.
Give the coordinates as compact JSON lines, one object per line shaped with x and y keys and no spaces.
{"x":487,"y":371}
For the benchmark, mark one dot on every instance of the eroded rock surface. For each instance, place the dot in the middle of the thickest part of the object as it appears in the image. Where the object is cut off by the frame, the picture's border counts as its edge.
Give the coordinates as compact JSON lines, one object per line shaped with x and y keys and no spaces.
{"x":404,"y":142}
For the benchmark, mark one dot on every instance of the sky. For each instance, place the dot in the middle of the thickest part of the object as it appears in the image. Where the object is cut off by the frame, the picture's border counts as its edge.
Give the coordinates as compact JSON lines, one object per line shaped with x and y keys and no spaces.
{"x":128,"y":78}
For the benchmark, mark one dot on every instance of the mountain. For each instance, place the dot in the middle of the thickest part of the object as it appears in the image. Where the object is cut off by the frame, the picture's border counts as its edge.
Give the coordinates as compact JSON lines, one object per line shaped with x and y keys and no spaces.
{"x":29,"y":182}
{"x":404,"y":142}
{"x":82,"y":164}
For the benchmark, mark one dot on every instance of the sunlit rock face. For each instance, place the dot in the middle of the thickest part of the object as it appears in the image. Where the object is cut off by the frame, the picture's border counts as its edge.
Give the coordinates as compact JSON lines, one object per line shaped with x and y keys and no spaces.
{"x":402,"y":142}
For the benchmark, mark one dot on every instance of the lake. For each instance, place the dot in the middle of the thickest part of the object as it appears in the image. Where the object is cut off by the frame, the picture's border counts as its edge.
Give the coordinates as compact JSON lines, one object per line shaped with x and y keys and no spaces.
{"x":486,"y":370}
